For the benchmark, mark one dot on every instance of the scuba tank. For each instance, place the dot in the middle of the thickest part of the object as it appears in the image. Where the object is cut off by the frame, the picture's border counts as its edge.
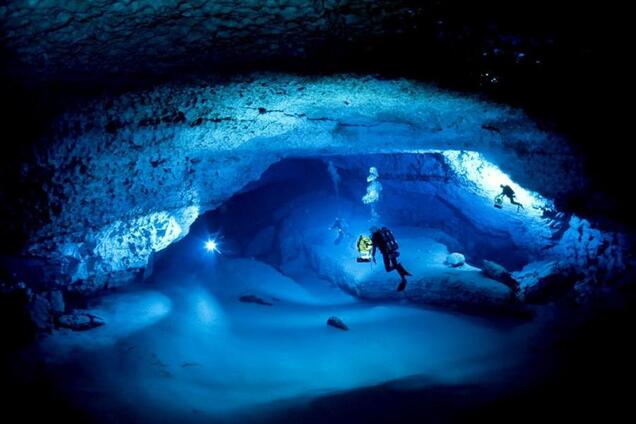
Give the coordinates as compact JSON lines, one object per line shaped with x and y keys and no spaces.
{"x":389,"y":240}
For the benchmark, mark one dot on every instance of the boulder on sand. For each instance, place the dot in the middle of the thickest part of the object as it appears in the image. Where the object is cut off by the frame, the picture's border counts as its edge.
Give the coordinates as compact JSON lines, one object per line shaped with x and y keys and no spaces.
{"x":499,"y":273}
{"x":80,"y":321}
{"x":455,"y":260}
{"x":250,"y":298}
{"x":337,"y":323}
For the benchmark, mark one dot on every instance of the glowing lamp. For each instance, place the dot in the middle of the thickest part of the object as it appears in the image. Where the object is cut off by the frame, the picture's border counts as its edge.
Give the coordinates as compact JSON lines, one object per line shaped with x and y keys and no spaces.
{"x":211,"y":246}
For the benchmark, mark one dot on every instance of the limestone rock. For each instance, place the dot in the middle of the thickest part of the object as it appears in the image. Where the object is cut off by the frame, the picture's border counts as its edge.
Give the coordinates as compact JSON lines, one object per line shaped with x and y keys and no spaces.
{"x":499,"y":273}
{"x":56,"y":300}
{"x":111,"y":37}
{"x":455,"y":260}
{"x":596,"y":257}
{"x":337,"y":323}
{"x":109,"y":223}
{"x":40,"y":310}
{"x":250,"y":298}
{"x":80,"y":321}
{"x":543,"y":281}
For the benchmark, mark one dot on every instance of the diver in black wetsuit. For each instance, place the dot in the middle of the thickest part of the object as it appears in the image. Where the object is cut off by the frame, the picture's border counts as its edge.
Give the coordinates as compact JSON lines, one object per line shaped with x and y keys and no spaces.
{"x":508,"y":192}
{"x":383,"y":239}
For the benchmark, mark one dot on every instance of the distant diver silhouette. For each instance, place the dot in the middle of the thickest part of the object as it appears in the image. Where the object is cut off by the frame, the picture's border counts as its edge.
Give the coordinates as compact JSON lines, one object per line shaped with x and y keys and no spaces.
{"x":506,"y":191}
{"x":341,"y":228}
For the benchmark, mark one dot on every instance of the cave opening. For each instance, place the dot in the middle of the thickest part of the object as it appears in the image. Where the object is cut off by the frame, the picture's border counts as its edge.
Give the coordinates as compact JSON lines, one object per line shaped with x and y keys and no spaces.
{"x":304,"y":215}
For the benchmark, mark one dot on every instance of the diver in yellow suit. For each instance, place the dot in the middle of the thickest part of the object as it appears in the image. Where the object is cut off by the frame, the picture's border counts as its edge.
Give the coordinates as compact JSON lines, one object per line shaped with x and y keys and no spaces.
{"x":364,"y":246}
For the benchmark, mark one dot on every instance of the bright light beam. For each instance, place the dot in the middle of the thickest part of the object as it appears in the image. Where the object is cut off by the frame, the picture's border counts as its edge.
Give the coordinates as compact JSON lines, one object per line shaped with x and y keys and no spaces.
{"x":211,"y":246}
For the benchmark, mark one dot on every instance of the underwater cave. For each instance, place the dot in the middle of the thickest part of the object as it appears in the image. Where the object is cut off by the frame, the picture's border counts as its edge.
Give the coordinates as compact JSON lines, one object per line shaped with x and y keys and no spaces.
{"x":269,"y":212}
{"x":287,"y":219}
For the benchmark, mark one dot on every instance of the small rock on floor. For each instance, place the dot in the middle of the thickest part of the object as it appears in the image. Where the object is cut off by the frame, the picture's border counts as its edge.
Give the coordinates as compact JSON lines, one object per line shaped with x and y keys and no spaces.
{"x":250,"y":298}
{"x":337,"y":323}
{"x":455,"y":260}
{"x":80,"y":321}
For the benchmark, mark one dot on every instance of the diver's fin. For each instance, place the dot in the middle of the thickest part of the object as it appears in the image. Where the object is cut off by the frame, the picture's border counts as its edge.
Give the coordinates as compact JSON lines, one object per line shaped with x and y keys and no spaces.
{"x":402,"y":271}
{"x":402,"y":286}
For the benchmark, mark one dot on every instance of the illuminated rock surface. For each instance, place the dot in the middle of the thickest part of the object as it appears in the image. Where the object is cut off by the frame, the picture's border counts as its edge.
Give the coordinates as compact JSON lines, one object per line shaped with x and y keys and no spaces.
{"x":131,"y":173}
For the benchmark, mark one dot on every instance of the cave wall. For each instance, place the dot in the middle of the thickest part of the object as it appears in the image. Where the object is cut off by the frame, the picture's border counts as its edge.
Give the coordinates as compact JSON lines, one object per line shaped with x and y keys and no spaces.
{"x":127,"y":171}
{"x":79,"y":40}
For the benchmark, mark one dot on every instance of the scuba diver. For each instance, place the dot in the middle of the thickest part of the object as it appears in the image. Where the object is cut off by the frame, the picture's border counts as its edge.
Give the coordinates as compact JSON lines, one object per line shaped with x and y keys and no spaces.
{"x":383,"y":239}
{"x":341,"y":228}
{"x":364,"y":246}
{"x":508,"y":192}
